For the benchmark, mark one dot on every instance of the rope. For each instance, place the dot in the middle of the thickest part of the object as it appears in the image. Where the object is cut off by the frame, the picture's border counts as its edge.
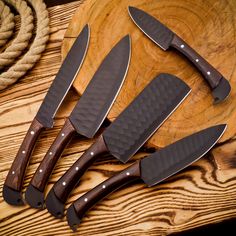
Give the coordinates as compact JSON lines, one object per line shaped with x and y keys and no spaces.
{"x":20,"y":43}
{"x":37,"y":47}
{"x":7,"y":23}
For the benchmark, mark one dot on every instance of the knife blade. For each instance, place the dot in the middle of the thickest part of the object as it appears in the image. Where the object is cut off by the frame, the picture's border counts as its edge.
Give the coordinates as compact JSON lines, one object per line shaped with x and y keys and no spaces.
{"x":125,"y":135}
{"x":86,"y":117}
{"x":152,"y":169}
{"x":44,"y":117}
{"x":165,"y":38}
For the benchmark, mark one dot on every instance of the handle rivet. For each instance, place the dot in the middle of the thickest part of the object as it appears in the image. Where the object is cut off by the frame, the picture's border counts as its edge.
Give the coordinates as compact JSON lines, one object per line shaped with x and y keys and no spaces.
{"x":64,"y":183}
{"x":91,"y":153}
{"x":23,"y":152}
{"x":182,"y":46}
{"x":76,"y":168}
{"x":103,"y":186}
{"x":40,"y":170}
{"x":62,"y":134}
{"x":86,"y":199}
{"x":208,"y":72}
{"x":13,"y":172}
{"x":32,"y":132}
{"x":127,"y":173}
{"x":50,"y":153}
{"x":197,"y":60}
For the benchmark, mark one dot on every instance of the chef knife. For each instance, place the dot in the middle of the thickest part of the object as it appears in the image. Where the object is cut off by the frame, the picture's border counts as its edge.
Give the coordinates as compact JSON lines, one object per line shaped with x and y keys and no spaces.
{"x":165,"y":38}
{"x":125,"y":135}
{"x":152,"y":169}
{"x":44,"y":118}
{"x":87,"y":116}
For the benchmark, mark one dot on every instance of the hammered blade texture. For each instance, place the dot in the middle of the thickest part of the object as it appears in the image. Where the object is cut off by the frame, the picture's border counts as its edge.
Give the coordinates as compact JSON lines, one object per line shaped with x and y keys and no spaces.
{"x":64,"y":79}
{"x":173,"y":158}
{"x":153,"y":28}
{"x":144,"y":115}
{"x":96,"y":101}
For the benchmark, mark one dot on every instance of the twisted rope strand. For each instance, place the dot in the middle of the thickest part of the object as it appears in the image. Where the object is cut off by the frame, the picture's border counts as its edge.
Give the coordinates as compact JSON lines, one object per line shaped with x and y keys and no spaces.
{"x":20,"y":43}
{"x":37,"y":47}
{"x":7,"y":23}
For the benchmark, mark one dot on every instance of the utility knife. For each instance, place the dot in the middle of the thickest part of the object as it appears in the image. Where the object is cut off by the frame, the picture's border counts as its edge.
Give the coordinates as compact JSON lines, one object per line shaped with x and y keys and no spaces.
{"x":165,"y":38}
{"x":125,"y":135}
{"x":44,"y":118}
{"x":152,"y":169}
{"x":87,"y":116}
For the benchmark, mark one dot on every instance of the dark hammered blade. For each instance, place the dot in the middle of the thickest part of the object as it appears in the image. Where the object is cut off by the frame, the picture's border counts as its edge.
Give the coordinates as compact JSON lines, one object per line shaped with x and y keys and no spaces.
{"x":144,"y":115}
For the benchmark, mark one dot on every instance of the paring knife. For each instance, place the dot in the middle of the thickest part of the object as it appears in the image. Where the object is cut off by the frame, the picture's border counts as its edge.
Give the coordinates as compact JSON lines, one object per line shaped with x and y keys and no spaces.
{"x":125,"y":135}
{"x":44,"y":118}
{"x":87,"y":116}
{"x":165,"y":38}
{"x":152,"y":169}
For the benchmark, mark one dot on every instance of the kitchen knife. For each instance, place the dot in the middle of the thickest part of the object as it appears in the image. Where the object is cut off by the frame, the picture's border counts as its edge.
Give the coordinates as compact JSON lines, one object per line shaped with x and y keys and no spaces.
{"x":152,"y":169}
{"x":125,"y":135}
{"x":44,"y":118}
{"x":87,"y":116}
{"x":165,"y":38}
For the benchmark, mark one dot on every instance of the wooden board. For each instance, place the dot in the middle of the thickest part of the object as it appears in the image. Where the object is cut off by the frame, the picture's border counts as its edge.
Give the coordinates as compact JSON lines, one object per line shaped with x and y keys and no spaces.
{"x":209,"y":26}
{"x":198,"y":196}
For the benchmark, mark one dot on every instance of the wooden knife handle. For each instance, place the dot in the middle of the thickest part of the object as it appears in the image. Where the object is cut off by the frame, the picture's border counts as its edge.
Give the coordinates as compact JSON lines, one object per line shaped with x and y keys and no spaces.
{"x":69,"y":180}
{"x":48,"y":163}
{"x":211,"y":75}
{"x":16,"y":173}
{"x":84,"y":203}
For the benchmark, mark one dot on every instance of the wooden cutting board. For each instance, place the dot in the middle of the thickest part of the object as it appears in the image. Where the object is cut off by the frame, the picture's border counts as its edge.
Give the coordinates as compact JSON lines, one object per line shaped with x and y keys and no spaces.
{"x":208,"y":26}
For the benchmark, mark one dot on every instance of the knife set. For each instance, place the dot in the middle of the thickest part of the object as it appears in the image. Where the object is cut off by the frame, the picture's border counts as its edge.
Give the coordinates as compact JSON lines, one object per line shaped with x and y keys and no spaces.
{"x":121,"y":139}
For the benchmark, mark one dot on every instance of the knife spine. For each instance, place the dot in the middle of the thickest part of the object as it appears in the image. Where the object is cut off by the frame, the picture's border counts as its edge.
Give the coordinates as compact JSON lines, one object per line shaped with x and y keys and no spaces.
{"x":72,"y":81}
{"x":85,"y":202}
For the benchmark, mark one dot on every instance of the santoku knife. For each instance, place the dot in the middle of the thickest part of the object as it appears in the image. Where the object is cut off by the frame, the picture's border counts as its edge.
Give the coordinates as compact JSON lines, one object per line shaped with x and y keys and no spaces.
{"x":125,"y":135}
{"x":152,"y":169}
{"x":165,"y":38}
{"x":44,"y":118}
{"x":87,"y":116}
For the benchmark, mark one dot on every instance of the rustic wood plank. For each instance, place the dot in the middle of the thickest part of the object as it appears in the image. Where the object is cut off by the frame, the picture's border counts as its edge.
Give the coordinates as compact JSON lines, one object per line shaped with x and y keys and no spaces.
{"x":202,"y":194}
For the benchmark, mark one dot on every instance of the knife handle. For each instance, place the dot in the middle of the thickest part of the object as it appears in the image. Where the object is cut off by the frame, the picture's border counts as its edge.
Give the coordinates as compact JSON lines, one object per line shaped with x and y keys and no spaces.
{"x":211,"y":75}
{"x":48,"y":163}
{"x":77,"y":210}
{"x":69,"y":180}
{"x":16,"y":173}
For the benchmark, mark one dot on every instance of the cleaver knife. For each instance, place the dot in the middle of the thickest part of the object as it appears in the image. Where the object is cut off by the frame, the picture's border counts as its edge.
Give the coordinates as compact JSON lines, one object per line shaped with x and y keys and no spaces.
{"x":125,"y":135}
{"x":87,"y":116}
{"x":152,"y":169}
{"x":165,"y":39}
{"x":44,"y":118}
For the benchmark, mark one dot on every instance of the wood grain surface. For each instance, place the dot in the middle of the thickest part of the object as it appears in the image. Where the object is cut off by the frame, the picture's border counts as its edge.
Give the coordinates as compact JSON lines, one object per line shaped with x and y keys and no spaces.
{"x":202,"y":194}
{"x":208,"y":26}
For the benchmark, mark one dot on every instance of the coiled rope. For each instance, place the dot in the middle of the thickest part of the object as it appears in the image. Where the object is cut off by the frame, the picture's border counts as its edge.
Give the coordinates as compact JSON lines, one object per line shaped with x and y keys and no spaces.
{"x":21,"y":41}
{"x":38,"y":45}
{"x":7,"y":23}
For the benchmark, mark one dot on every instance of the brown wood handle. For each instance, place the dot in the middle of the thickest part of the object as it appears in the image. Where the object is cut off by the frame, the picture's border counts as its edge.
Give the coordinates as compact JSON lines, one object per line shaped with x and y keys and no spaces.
{"x":211,"y":75}
{"x":84,"y":203}
{"x":69,"y":180}
{"x":16,"y":173}
{"x":48,"y":163}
